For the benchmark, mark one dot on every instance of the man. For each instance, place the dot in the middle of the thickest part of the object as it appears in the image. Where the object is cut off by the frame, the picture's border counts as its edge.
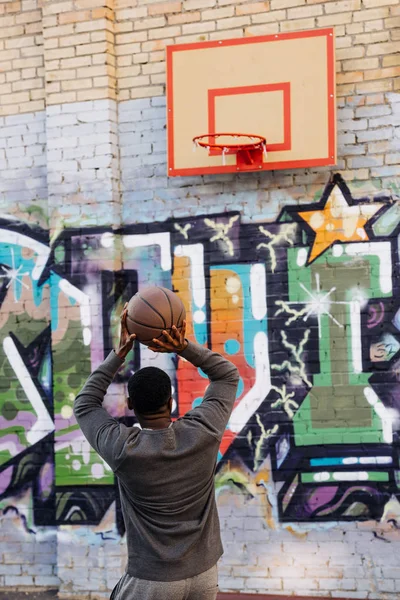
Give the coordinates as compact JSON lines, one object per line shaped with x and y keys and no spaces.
{"x":165,"y":470}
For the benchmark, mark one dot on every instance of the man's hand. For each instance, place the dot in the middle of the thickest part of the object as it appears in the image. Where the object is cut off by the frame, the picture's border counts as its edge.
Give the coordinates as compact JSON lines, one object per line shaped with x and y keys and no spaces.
{"x":176,"y":342}
{"x":126,"y":339}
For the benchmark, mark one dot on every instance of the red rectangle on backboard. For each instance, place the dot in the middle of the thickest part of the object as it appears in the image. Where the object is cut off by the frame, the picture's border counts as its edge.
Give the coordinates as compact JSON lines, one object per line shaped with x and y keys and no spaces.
{"x":319,"y":135}
{"x":254,"y":89}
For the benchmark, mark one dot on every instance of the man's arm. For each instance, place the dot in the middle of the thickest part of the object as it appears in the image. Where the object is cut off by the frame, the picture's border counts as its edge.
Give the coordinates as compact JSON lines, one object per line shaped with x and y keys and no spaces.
{"x":101,"y":430}
{"x":219,"y":398}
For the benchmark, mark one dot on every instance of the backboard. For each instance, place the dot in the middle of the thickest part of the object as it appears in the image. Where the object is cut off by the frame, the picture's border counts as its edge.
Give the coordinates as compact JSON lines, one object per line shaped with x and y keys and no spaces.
{"x":281,"y":87}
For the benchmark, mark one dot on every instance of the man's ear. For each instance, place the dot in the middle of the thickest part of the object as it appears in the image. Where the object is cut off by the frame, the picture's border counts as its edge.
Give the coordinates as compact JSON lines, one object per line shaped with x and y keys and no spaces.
{"x":130,"y":403}
{"x":170,"y":405}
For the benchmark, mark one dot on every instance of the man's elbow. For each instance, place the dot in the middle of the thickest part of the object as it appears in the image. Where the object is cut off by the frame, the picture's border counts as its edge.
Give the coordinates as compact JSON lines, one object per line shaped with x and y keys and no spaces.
{"x":233,"y":376}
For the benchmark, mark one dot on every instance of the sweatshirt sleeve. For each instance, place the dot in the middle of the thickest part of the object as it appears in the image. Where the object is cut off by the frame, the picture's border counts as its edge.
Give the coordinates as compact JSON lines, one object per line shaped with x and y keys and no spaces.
{"x":102,"y":431}
{"x":214,"y":411}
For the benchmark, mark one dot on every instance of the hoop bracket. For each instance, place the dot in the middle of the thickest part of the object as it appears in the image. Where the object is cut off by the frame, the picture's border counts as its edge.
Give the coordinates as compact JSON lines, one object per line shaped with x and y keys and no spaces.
{"x":249,"y":153}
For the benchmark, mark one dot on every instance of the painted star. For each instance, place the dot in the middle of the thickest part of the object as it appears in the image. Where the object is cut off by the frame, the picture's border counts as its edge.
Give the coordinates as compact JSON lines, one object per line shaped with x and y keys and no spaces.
{"x":14,"y":275}
{"x":338,"y":221}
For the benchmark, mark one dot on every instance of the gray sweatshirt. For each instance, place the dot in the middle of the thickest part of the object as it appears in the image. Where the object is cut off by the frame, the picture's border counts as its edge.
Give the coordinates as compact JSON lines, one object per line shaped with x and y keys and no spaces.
{"x":166,"y":476}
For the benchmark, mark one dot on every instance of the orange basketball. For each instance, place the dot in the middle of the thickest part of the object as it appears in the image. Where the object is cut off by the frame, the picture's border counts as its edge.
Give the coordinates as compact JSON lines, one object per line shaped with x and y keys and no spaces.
{"x":153,"y":310}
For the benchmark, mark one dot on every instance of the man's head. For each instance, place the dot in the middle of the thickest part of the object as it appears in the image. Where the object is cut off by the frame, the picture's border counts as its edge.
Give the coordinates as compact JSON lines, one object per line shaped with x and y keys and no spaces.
{"x":149,"y":391}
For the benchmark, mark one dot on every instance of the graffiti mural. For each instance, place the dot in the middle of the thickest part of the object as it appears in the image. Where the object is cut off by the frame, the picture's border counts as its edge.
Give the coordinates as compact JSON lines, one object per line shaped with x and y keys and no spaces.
{"x":306,"y":307}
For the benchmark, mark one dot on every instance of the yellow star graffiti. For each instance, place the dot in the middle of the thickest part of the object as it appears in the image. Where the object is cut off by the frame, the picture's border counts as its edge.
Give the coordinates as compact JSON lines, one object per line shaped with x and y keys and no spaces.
{"x":338,"y":221}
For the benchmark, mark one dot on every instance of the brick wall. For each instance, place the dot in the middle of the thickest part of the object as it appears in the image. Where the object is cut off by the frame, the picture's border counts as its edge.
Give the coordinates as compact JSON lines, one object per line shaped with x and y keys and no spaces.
{"x":88,"y":214}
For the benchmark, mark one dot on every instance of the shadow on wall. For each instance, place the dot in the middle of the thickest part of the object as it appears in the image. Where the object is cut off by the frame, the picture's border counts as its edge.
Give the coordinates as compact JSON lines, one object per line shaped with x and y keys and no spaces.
{"x":306,"y":307}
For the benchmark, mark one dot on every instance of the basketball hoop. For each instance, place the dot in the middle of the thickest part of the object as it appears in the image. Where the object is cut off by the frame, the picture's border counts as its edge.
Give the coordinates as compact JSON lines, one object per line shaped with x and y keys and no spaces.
{"x":250,"y":149}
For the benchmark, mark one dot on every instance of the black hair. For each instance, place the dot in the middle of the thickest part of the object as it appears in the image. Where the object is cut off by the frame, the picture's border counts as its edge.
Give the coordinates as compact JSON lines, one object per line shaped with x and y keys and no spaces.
{"x":149,"y":389}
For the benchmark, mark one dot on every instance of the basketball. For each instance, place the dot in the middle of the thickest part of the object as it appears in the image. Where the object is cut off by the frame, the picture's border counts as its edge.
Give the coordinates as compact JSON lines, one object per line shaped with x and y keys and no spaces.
{"x":153,"y":310}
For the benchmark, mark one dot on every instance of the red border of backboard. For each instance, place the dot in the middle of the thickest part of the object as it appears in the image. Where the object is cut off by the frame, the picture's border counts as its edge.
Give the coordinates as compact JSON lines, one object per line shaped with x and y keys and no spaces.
{"x":254,"y":89}
{"x":317,"y":162}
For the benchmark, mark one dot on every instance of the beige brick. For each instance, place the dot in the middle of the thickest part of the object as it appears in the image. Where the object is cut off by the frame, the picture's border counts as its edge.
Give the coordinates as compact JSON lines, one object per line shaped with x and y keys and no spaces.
{"x":59,"y":30}
{"x":217,"y":13}
{"x":11,"y":32}
{"x":125,"y":72}
{"x":368,"y":87}
{"x":6,"y":88}
{"x":75,"y":16}
{"x":123,"y":27}
{"x":371,"y":38}
{"x":53,"y":88}
{"x":15,"y":98}
{"x":391,"y":60}
{"x":371,"y":14}
{"x":382,"y":73}
{"x":353,"y":28}
{"x":94,"y":48}
{"x":133,"y":13}
{"x":50,"y":21}
{"x":145,"y":92}
{"x":125,"y":61}
{"x":103,"y":59}
{"x":342,"y":6}
{"x":351,"y":77}
{"x":28,"y":17}
{"x":376,"y":25}
{"x":190,"y":17}
{"x":28,"y":73}
{"x":130,"y":82}
{"x":10,"y":55}
{"x":141,"y":58}
{"x":13,"y":7}
{"x":198,"y":4}
{"x":7,"y":21}
{"x":123,"y":95}
{"x":233,"y":22}
{"x":158,"y":78}
{"x":72,"y":63}
{"x":345,"y":89}
{"x":166,"y":32}
{"x":12,"y":76}
{"x":97,"y":25}
{"x":91,"y":71}
{"x":33,"y":28}
{"x":152,"y":68}
{"x":129,"y":38}
{"x":304,"y":11}
{"x":38,"y":105}
{"x":60,"y":75}
{"x":61,"y":98}
{"x":156,"y":56}
{"x":151,"y":23}
{"x":190,"y":39}
{"x":103,"y":35}
{"x":154,"y":45}
{"x":202,"y":27}
{"x":336,"y":19}
{"x":6,"y":65}
{"x":297,"y":24}
{"x":360,"y":64}
{"x":50,"y":44}
{"x":278,"y":4}
{"x":35,"y":61}
{"x":395,"y":10}
{"x":252,"y":8}
{"x":10,"y":109}
{"x":93,"y":4}
{"x":74,"y":40}
{"x":95,"y":94}
{"x":379,"y":3}
{"x":165,"y":8}
{"x":54,"y":8}
{"x":27,"y":84}
{"x":269,"y":17}
{"x":347,"y":53}
{"x":76,"y":84}
{"x":384,"y":48}
{"x":262,"y":29}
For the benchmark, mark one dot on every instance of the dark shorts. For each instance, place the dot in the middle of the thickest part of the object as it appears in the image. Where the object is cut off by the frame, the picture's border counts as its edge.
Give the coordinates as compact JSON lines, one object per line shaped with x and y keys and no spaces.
{"x":200,"y":587}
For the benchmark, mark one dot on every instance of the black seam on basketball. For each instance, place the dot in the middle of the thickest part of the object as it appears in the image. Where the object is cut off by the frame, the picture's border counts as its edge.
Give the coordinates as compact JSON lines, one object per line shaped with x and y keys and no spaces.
{"x":183,"y":308}
{"x":170,"y":307}
{"x":144,"y":325}
{"x":155,"y":310}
